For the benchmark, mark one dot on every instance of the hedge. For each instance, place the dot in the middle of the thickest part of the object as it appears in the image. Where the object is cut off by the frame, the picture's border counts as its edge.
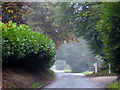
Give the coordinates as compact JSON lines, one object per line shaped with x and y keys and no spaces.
{"x":21,"y":44}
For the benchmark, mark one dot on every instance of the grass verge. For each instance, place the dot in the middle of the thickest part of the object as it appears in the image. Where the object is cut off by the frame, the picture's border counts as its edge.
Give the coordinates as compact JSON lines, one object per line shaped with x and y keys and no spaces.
{"x":101,"y":73}
{"x":37,"y":84}
{"x":88,"y":72}
{"x":114,"y":85}
{"x":67,"y":71}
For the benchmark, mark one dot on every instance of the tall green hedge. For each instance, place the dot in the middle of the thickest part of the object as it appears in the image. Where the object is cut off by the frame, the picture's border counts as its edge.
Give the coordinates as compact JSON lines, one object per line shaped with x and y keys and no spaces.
{"x":21,"y":44}
{"x":109,"y":28}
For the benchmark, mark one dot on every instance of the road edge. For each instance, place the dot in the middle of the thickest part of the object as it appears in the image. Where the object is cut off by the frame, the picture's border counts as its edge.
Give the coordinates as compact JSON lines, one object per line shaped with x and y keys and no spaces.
{"x":48,"y":83}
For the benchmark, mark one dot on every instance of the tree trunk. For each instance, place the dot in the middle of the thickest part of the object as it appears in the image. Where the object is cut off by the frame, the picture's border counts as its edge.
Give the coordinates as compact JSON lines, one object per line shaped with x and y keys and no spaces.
{"x":97,"y":43}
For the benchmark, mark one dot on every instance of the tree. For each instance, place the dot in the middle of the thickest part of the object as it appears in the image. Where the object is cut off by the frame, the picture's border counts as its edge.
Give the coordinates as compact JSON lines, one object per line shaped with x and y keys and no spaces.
{"x":109,"y":28}
{"x":14,"y":11}
{"x":0,"y":11}
{"x":77,"y":55}
{"x":40,"y":20}
{"x":80,"y":19}
{"x":0,"y":33}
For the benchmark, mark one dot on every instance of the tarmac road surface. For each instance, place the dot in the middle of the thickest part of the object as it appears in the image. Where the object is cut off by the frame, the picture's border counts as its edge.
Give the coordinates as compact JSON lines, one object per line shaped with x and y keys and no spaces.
{"x":72,"y":80}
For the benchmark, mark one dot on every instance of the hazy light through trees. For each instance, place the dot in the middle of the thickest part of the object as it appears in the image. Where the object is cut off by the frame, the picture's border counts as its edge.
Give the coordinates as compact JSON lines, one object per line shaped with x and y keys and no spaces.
{"x":77,"y":55}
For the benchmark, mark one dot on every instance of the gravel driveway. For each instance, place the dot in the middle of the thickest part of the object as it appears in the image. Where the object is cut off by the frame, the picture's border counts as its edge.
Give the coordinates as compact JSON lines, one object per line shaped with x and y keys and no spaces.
{"x":103,"y":81}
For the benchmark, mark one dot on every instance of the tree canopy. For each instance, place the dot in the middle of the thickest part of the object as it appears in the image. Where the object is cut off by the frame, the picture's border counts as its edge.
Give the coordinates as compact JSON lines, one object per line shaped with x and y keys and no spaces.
{"x":80,"y":19}
{"x":14,"y":11}
{"x":98,"y":23}
{"x":42,"y":18}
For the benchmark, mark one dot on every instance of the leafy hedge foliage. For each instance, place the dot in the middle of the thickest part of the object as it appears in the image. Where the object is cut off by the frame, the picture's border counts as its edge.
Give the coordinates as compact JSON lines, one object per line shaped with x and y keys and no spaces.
{"x":21,"y":44}
{"x":109,"y":27}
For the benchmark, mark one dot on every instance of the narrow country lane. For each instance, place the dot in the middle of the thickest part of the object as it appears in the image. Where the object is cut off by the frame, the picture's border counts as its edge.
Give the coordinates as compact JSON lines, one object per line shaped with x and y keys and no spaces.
{"x":72,"y":80}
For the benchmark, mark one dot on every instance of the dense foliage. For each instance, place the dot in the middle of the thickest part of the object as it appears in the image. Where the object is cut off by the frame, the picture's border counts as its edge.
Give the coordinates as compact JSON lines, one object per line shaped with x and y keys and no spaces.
{"x":22,"y":45}
{"x":14,"y":11}
{"x":42,"y":18}
{"x":80,"y":19}
{"x":109,"y":27}
{"x":98,"y":23}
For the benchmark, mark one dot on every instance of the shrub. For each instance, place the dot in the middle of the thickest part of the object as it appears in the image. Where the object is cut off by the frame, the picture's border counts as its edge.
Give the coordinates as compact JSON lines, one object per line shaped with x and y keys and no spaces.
{"x":21,"y":44}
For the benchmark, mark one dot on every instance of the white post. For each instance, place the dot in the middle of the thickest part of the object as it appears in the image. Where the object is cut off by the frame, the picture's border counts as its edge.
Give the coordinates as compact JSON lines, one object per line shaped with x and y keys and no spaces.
{"x":109,"y":68}
{"x":95,"y":67}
